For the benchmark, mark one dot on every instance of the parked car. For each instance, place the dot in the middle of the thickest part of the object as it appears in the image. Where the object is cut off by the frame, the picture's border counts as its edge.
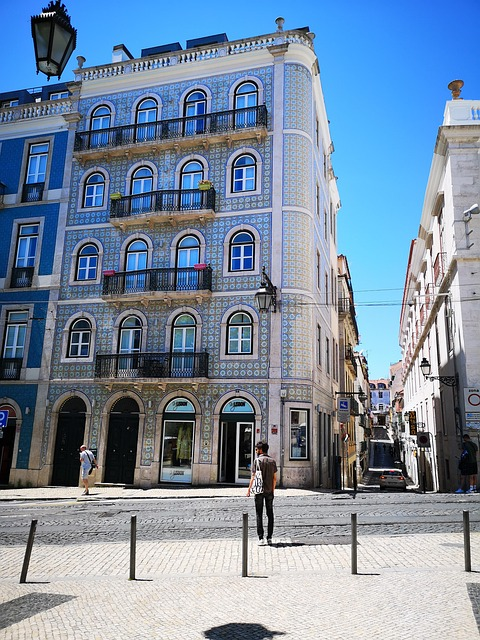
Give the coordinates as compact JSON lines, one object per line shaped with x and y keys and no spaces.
{"x":392,"y":479}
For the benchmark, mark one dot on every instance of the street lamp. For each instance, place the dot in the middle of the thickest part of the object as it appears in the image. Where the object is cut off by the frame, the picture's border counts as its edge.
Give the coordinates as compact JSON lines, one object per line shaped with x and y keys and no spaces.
{"x":266,"y":295}
{"x":54,"y":39}
{"x":450,"y":381}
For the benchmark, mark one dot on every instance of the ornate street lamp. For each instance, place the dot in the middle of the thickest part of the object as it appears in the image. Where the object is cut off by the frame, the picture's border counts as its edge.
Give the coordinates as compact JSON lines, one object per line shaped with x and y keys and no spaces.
{"x":425,"y":367}
{"x":54,"y":39}
{"x":266,"y":296}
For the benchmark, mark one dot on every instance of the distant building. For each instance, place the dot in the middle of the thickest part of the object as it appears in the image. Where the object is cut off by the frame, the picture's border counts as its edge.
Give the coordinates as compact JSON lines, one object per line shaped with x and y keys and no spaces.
{"x":380,"y":402}
{"x":439,"y":321}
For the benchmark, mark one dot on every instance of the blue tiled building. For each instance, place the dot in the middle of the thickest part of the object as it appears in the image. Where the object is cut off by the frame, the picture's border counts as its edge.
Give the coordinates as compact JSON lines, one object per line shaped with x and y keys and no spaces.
{"x":187,"y":175}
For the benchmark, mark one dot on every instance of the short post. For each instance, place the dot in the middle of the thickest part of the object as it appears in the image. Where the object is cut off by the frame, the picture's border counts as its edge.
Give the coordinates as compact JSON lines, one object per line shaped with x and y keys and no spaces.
{"x":245,"y":546}
{"x":466,"y":541}
{"x":133,"y":544}
{"x":28,"y":552}
{"x":354,"y":543}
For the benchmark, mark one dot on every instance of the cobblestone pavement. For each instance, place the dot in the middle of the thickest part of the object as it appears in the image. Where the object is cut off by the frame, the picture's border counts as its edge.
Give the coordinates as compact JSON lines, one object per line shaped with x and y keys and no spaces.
{"x":407,"y":586}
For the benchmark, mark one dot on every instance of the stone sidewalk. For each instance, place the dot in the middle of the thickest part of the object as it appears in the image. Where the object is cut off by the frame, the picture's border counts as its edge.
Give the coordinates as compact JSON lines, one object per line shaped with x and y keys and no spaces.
{"x":406,"y":586}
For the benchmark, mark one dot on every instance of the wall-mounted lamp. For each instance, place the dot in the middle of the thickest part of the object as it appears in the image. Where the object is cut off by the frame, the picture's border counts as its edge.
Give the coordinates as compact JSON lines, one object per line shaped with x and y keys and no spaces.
{"x":362,"y":396}
{"x":266,"y":295}
{"x":425,"y":367}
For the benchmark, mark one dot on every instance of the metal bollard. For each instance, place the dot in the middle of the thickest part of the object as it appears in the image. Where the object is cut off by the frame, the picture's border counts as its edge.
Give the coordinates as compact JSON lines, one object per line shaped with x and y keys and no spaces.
{"x":466,"y":541}
{"x":245,"y":546}
{"x":28,"y":552}
{"x":354,"y":543}
{"x":133,"y":544}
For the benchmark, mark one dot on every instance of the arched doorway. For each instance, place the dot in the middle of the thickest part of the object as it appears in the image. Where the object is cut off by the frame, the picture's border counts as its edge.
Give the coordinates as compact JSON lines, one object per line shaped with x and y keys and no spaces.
{"x":177,"y":441}
{"x":122,"y":442}
{"x":70,"y":436}
{"x":7,"y":441}
{"x":237,"y":428}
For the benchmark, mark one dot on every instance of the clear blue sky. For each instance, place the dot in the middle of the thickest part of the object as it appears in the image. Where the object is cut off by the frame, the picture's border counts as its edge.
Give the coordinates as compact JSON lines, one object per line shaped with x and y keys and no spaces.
{"x":385,"y":67}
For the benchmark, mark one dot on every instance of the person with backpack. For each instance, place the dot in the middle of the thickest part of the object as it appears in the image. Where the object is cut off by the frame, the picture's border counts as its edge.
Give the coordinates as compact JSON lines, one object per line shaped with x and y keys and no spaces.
{"x":268,"y":472}
{"x":87,"y":464}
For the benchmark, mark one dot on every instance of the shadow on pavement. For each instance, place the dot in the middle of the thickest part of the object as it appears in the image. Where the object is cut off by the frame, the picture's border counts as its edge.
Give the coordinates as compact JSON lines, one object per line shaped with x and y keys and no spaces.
{"x":27,"y":606}
{"x":240,"y":631}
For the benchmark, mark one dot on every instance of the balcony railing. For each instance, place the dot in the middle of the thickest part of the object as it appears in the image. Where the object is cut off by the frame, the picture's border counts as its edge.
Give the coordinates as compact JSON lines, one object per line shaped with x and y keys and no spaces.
{"x":439,"y":268}
{"x":152,"y":365}
{"x":165,"y":202}
{"x":208,"y":124}
{"x":350,"y":358}
{"x":22,"y":277}
{"x":10,"y":368}
{"x":151,"y":280}
{"x":33,"y":192}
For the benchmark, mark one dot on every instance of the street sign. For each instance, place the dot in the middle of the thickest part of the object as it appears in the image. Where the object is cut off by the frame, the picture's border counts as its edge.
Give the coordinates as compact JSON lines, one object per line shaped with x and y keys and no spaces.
{"x":412,"y":422}
{"x":472,"y":399}
{"x":423,"y":439}
{"x":3,"y":419}
{"x":343,"y":410}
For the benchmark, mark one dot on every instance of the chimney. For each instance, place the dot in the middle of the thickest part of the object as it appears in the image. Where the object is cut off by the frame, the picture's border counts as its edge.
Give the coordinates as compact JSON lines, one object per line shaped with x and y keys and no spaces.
{"x":120,"y":53}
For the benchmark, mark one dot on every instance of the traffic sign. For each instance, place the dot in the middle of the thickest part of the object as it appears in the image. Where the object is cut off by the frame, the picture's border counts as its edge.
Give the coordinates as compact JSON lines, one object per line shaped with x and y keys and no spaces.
{"x":3,"y":419}
{"x":343,"y":410}
{"x":423,"y":439}
{"x":472,"y":399}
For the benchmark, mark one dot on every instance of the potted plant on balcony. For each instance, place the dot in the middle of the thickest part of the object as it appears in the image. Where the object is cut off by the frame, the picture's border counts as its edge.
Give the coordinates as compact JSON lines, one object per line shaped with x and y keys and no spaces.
{"x":116,"y":195}
{"x":204,"y":185}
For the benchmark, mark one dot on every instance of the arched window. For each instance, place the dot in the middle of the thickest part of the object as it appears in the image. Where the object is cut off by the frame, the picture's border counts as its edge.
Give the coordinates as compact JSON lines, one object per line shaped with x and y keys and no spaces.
{"x":246,"y":101}
{"x":183,"y":346}
{"x":87,"y":263}
{"x":244,"y":174}
{"x":195,"y":106}
{"x":146,"y":113}
{"x":188,"y":255}
{"x":135,"y":265}
{"x":141,"y":190}
{"x":242,"y":252}
{"x":94,"y":190}
{"x":240,"y":333}
{"x":129,"y":345}
{"x":101,"y":119}
{"x":191,"y":174}
{"x":80,"y":339}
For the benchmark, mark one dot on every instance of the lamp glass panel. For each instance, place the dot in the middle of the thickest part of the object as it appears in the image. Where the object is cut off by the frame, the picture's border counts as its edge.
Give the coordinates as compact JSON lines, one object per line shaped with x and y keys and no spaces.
{"x":42,"y":38}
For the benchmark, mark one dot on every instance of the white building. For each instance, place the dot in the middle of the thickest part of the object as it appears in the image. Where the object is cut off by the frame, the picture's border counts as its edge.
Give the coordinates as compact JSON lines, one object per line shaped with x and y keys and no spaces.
{"x":439,"y":321}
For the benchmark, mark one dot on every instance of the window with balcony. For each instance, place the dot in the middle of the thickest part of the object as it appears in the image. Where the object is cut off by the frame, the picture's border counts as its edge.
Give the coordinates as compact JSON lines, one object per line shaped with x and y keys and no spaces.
{"x":59,"y":95}
{"x":100,"y":120}
{"x":94,"y":191}
{"x":36,"y":172}
{"x":129,"y":345}
{"x":87,"y":263}
{"x":145,"y":119}
{"x":80,"y":339}
{"x":191,"y":174}
{"x":246,"y":99}
{"x":242,"y":252}
{"x":188,"y":255}
{"x":135,"y":266}
{"x":25,"y":255}
{"x":244,"y":173}
{"x":14,"y":345}
{"x":194,"y":108}
{"x":240,"y":334}
{"x":183,"y":346}
{"x":141,"y":190}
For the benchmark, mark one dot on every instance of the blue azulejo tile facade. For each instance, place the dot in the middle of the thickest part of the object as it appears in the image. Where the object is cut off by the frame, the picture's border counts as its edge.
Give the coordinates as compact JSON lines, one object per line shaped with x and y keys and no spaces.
{"x":194,"y":189}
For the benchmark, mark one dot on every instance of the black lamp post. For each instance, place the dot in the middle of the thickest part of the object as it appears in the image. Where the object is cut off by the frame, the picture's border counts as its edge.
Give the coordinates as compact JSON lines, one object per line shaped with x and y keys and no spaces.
{"x":266,"y":296}
{"x":450,"y":381}
{"x":54,"y":39}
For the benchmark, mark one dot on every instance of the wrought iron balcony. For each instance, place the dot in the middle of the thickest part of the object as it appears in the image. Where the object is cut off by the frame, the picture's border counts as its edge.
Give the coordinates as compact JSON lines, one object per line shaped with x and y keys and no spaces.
{"x":163,"y":205}
{"x":152,"y":365}
{"x":33,"y":192}
{"x":350,"y":358}
{"x":22,"y":277}
{"x":10,"y":368}
{"x":152,"y":281}
{"x":439,"y":268}
{"x":236,"y":124}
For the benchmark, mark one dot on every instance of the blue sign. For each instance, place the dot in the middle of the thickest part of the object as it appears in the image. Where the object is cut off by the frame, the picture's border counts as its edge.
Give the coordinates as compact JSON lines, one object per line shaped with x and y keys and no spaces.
{"x":344,"y":405}
{"x":3,"y":419}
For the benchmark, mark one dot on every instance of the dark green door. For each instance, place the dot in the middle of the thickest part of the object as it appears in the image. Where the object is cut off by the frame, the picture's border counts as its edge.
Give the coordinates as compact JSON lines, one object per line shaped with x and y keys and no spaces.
{"x":122,"y":444}
{"x":70,"y":436}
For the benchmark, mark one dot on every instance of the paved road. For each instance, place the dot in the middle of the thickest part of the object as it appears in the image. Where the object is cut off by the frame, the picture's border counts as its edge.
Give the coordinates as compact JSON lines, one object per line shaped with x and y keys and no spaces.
{"x":300,"y":588}
{"x":313,"y":518}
